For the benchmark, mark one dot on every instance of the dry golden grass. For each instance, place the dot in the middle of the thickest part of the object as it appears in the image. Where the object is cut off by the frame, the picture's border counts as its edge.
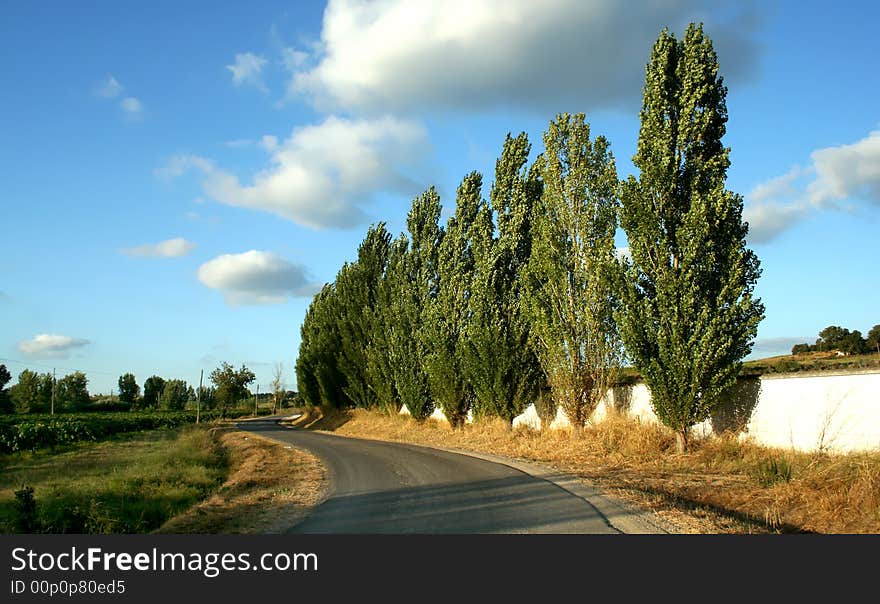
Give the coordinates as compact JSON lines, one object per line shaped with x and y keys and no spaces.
{"x":270,"y":488}
{"x":721,"y":486}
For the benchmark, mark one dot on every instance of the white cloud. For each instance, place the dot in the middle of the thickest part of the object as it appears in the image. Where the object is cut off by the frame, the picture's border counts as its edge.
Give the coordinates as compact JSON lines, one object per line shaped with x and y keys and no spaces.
{"x":769,"y":220}
{"x":294,"y":59}
{"x":845,"y":173}
{"x":172,"y":248}
{"x":50,"y":345}
{"x":110,"y":88}
{"x":322,"y":175}
{"x":247,"y":69}
{"x":132,"y":107}
{"x":554,"y":55}
{"x":778,"y":187}
{"x":256,"y":277}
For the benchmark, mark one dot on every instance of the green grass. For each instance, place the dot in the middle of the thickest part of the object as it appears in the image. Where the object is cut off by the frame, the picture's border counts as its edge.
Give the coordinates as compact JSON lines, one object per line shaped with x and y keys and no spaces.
{"x":130,"y":484}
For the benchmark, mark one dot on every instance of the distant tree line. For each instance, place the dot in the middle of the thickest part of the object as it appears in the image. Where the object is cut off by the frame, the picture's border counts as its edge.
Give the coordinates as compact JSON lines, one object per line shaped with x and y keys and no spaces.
{"x":524,"y":293}
{"x":839,"y":338}
{"x":33,"y":393}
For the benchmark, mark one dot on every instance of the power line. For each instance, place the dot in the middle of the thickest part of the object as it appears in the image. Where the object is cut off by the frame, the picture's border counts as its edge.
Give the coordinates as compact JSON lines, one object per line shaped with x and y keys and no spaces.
{"x":32,"y":364}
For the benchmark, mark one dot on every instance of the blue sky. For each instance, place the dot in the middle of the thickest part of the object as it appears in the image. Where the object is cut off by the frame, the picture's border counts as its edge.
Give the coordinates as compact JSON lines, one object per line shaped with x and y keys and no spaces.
{"x":179,"y":178}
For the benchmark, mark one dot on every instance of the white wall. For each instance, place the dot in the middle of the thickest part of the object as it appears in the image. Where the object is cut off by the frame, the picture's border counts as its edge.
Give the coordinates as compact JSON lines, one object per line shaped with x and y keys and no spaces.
{"x":836,"y":413}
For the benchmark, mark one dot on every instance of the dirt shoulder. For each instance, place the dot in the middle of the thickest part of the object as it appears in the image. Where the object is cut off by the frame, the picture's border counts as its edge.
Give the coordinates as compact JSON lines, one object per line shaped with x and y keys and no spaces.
{"x":270,"y":487}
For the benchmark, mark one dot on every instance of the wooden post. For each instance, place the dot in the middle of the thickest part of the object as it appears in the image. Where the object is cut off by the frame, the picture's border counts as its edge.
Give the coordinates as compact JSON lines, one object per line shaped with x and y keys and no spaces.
{"x":199,"y":395}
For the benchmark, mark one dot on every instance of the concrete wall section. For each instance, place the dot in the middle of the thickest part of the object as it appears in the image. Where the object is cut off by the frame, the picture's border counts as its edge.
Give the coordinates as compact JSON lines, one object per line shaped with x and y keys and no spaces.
{"x":839,"y":413}
{"x":835,"y":413}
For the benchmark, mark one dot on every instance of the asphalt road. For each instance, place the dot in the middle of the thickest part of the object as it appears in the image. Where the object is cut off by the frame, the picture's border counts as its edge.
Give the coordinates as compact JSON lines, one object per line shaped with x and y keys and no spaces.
{"x":380,"y":487}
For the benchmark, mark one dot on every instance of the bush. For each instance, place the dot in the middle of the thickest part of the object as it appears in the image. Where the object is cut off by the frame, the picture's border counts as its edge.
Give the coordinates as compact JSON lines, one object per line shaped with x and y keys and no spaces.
{"x":26,"y":520}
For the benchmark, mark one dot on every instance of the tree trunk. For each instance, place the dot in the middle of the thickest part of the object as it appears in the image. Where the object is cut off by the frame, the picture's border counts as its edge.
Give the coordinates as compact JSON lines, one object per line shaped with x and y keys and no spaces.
{"x":681,"y":441}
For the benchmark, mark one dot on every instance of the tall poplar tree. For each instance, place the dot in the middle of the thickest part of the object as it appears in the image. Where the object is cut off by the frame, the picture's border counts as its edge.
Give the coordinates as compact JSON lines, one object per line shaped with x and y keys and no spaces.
{"x":573,"y":267}
{"x":356,"y":286}
{"x":689,"y":313}
{"x":389,"y":335}
{"x":318,"y":375}
{"x":447,"y":313}
{"x":498,"y":359}
{"x":414,"y":285}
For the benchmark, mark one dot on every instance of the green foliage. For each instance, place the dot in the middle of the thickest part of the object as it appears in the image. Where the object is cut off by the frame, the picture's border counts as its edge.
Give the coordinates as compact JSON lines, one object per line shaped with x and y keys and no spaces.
{"x":72,"y":393}
{"x":872,"y":342}
{"x":129,"y":391}
{"x":356,"y":292}
{"x":414,"y":283}
{"x":153,"y":388}
{"x":772,"y":470}
{"x":130,"y":486}
{"x":317,"y":366}
{"x":386,"y":340}
{"x":32,"y":393}
{"x":6,"y":404}
{"x":26,"y":518}
{"x":446,"y":315}
{"x":32,"y":432}
{"x":497,"y":358}
{"x":175,"y":394}
{"x":689,"y":315}
{"x":206,"y":397}
{"x":573,"y":268}
{"x":231,"y":385}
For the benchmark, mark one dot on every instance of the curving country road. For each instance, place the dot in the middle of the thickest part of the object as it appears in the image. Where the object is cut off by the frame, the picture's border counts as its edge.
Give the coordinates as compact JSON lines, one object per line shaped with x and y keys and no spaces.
{"x":383,"y":487}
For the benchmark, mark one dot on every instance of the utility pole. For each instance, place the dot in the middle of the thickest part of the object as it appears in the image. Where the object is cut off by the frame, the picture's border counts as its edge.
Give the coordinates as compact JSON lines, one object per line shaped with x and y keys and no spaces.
{"x":199,"y":394}
{"x":255,"y":400}
{"x":52,"y":404}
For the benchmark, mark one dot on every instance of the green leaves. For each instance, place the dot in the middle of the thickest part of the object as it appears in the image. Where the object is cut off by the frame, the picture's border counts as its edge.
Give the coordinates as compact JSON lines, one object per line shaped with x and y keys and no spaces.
{"x":496,"y":356}
{"x":688,"y":313}
{"x":572,"y":270}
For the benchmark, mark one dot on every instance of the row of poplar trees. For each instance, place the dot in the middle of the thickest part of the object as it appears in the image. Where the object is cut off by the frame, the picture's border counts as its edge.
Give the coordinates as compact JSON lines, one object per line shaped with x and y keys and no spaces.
{"x":525,"y":293}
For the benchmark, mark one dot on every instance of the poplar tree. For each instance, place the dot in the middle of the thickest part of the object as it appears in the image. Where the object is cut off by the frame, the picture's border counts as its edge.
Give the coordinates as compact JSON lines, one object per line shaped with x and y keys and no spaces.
{"x":414,"y":284}
{"x":498,"y":360}
{"x":573,"y":266}
{"x":388,"y":341}
{"x":447,"y":313}
{"x":317,"y":368}
{"x":689,"y":314}
{"x":356,"y":286}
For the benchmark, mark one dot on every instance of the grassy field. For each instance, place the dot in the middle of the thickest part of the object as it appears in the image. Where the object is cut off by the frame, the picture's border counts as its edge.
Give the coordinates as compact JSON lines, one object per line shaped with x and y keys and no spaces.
{"x":812,"y":361}
{"x":131,"y":484}
{"x":721,"y":486}
{"x":196,"y":479}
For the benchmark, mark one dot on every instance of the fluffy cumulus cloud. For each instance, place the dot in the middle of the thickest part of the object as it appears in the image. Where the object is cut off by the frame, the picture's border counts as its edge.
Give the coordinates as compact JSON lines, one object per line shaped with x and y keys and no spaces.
{"x":248,"y":69}
{"x":400,"y":55}
{"x":837,"y":177}
{"x":256,"y":277}
{"x":323,"y":174}
{"x":171,"y":248}
{"x":847,"y":172}
{"x":50,"y":345}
